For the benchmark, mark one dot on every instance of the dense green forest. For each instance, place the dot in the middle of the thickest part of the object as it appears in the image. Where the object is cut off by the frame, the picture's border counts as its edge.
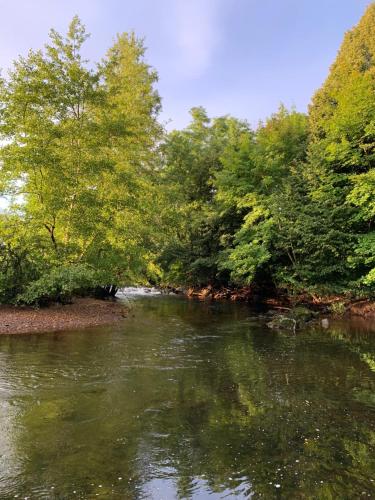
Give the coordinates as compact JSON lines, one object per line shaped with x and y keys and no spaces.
{"x":101,"y":196}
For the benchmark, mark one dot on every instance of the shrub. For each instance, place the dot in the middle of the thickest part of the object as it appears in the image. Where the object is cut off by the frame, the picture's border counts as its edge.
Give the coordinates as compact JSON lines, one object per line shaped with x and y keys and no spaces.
{"x":338,"y":308}
{"x":59,"y":284}
{"x":16,"y":270}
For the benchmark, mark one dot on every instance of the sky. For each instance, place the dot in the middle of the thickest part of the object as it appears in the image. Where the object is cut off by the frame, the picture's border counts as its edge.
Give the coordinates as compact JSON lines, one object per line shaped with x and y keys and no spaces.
{"x":238,"y":57}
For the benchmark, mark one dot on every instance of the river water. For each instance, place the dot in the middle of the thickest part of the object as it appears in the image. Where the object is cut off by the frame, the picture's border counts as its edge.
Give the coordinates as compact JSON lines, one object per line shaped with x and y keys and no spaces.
{"x":189,"y":400}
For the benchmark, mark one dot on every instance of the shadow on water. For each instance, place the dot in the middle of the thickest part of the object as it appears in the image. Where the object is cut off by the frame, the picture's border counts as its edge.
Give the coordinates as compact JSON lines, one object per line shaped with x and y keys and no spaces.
{"x":189,"y":400}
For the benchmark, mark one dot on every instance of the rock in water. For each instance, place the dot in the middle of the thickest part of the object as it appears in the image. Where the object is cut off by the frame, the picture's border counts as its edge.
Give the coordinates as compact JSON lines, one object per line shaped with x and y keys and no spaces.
{"x":325,"y":323}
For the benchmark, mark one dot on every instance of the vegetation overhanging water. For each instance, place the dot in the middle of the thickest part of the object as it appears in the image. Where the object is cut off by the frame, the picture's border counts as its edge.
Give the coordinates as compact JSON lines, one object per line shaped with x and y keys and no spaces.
{"x":100,"y":195}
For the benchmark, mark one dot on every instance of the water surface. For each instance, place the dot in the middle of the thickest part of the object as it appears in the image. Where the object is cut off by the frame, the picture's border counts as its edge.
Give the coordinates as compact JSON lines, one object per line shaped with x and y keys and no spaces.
{"x":189,"y":400}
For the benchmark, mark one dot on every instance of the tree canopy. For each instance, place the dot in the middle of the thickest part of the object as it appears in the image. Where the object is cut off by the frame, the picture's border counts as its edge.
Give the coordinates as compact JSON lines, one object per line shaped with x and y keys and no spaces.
{"x":293,"y":200}
{"x":77,"y":162}
{"x":101,"y":196}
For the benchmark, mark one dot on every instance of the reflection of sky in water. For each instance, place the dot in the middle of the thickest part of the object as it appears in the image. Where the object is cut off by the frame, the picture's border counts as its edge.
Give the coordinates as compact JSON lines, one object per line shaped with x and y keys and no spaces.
{"x":165,"y":488}
{"x":188,"y":400}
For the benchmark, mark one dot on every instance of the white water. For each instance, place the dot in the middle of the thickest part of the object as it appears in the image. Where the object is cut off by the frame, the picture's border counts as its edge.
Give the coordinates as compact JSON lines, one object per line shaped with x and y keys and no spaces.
{"x":130,"y":291}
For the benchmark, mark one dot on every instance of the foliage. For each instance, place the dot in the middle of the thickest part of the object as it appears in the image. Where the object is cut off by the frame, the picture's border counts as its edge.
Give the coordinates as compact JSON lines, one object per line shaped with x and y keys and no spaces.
{"x":191,"y":160}
{"x":96,"y":185}
{"x":59,"y":285}
{"x":338,"y":308}
{"x":257,"y":177}
{"x":78,"y":159}
{"x":342,"y":117}
{"x":290,"y":204}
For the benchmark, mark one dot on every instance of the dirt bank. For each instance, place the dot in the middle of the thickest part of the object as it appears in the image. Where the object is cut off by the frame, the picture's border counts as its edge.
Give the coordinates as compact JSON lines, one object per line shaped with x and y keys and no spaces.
{"x":364,"y":308}
{"x":80,"y":314}
{"x":337,"y":305}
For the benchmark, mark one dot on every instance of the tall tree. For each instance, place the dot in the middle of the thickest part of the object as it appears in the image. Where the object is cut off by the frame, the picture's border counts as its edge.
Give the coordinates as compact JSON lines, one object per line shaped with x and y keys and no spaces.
{"x":342,"y":150}
{"x":78,"y":153}
{"x":256,"y":174}
{"x":192,"y":158}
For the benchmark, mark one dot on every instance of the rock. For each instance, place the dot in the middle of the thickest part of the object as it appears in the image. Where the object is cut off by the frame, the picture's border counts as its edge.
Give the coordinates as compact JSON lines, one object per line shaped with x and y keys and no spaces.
{"x":281,"y":322}
{"x":293,"y":319}
{"x":222,"y":294}
{"x":302,"y":314}
{"x":325,"y":323}
{"x":205,"y":293}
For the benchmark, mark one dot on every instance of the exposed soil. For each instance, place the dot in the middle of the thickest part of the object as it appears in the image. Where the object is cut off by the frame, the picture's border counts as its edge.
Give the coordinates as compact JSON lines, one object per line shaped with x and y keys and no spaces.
{"x":209,"y":292}
{"x":82,"y":313}
{"x":364,"y":308}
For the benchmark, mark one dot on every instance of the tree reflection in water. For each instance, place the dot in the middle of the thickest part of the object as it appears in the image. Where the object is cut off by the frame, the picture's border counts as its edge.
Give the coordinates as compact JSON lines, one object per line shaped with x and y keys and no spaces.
{"x":189,"y":400}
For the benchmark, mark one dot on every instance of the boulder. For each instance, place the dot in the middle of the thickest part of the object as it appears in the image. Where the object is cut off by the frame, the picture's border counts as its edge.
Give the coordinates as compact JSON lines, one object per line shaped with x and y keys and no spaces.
{"x":292,"y":319}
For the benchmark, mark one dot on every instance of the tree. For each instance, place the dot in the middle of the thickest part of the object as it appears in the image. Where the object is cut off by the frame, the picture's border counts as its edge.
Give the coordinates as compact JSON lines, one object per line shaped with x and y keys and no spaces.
{"x":342,"y":118}
{"x":256,"y":175}
{"x":78,"y":154}
{"x":191,"y":159}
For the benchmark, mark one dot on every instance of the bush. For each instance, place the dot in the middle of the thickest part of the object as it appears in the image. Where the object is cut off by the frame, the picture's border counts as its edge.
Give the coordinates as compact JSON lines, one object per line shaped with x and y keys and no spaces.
{"x":59,"y":285}
{"x":16,"y":270}
{"x":338,"y":308}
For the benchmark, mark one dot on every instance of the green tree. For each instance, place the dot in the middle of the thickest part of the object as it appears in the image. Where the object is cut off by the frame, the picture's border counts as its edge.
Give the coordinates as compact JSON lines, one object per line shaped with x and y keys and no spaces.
{"x":191,"y":160}
{"x":257,"y":172}
{"x":342,"y":118}
{"x":78,"y":155}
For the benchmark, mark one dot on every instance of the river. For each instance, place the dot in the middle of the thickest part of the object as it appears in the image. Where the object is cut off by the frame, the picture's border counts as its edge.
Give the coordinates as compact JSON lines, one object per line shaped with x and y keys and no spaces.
{"x":189,"y":399}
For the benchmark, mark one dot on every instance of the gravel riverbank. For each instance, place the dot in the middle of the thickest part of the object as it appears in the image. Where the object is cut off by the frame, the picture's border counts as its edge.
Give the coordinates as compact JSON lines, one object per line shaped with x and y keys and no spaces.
{"x":82,"y":313}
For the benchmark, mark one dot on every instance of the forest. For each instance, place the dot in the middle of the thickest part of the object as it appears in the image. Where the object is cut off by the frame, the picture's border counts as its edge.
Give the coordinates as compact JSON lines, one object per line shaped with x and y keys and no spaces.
{"x":99,"y":195}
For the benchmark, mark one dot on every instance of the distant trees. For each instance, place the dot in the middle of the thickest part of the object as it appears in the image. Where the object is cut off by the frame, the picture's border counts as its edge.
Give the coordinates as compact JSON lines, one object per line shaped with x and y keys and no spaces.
{"x":245,"y":200}
{"x":192,"y":160}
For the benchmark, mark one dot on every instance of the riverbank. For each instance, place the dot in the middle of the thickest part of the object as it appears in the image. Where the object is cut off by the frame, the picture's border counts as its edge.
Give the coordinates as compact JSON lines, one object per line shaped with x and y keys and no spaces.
{"x":81,"y":313}
{"x":336,"y":305}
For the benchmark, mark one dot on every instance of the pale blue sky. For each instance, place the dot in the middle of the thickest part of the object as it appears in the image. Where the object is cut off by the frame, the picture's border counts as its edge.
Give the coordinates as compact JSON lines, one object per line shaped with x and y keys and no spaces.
{"x":241,"y":57}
